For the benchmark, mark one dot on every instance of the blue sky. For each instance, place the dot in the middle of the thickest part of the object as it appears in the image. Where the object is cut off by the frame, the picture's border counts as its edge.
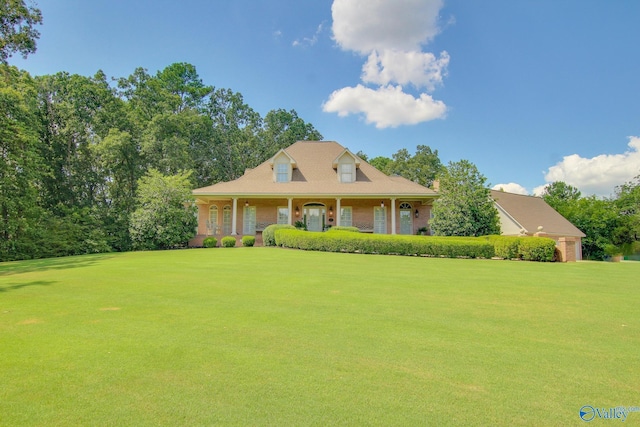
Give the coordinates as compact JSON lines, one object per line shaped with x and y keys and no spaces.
{"x":531,"y":91}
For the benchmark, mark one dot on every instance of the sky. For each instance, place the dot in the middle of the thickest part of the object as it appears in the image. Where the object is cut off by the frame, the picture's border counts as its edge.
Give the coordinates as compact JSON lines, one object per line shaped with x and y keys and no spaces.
{"x":530,"y":91}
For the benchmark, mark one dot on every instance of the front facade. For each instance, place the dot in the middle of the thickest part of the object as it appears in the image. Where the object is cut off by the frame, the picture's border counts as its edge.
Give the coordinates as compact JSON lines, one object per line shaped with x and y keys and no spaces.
{"x":317,"y":184}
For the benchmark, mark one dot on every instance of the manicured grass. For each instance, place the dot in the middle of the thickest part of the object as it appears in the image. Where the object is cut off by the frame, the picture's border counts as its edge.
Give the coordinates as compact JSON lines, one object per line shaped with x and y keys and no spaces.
{"x":268,"y":336}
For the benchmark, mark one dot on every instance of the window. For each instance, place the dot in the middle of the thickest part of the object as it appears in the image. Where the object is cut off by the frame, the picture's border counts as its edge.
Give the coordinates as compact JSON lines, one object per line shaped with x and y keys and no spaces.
{"x":226,"y":220}
{"x":406,"y":218}
{"x":212,"y":221}
{"x":283,"y":215}
{"x":249,"y":220}
{"x":282,"y":172}
{"x":346,"y":172}
{"x":380,"y":220}
{"x":346,"y":216}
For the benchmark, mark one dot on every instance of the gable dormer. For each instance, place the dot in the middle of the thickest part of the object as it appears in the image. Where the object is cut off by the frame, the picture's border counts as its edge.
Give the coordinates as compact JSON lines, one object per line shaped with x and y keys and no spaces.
{"x":345,"y":165}
{"x":282,"y":164}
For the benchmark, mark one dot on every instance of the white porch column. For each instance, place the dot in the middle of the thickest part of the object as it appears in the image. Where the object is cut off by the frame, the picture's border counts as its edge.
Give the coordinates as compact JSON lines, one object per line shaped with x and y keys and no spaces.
{"x":290,"y":207}
{"x":234,"y":214}
{"x":338,"y":212}
{"x":393,"y":216}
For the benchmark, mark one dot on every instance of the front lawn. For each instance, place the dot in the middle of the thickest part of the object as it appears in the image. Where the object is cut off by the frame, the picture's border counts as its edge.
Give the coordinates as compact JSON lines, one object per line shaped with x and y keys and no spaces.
{"x":269,"y":336}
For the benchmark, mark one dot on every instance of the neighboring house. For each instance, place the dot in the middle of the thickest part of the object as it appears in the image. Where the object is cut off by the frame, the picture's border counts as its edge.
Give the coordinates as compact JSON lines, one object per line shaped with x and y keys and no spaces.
{"x":318,"y":183}
{"x":532,"y":216}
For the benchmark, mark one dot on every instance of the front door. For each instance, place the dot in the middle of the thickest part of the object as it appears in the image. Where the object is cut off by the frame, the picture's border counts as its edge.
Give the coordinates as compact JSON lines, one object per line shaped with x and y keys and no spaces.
{"x":314,"y":218}
{"x":406,"y":219}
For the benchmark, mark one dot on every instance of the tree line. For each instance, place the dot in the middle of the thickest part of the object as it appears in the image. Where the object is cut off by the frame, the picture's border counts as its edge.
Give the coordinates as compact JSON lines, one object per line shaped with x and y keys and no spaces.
{"x":73,"y":150}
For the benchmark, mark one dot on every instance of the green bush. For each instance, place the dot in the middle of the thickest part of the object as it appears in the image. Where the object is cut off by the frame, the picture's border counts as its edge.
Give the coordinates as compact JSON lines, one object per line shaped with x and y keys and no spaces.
{"x":344,"y":228}
{"x":248,"y":241}
{"x":268,"y":236}
{"x":506,"y":247}
{"x":228,"y":242}
{"x":537,"y":249}
{"x":210,"y":242}
{"x":347,"y":241}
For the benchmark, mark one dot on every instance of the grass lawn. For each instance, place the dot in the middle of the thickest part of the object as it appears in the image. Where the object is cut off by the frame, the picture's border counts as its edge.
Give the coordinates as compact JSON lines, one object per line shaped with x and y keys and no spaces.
{"x":267,"y":336}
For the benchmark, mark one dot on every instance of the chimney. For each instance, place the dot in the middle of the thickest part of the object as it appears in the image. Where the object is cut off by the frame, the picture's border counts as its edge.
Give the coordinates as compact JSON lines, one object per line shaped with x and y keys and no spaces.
{"x":435,"y":185}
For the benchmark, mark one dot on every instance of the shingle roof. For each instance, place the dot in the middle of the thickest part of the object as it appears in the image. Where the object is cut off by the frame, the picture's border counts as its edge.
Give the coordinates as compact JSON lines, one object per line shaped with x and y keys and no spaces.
{"x":531,"y":212}
{"x":315,"y":176}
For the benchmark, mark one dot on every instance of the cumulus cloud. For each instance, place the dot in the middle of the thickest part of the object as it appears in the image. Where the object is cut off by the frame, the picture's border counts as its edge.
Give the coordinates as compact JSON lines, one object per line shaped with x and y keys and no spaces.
{"x":367,"y":25}
{"x":421,"y":69}
{"x":511,"y":187}
{"x":391,"y":35}
{"x":597,"y":175}
{"x":387,"y":106}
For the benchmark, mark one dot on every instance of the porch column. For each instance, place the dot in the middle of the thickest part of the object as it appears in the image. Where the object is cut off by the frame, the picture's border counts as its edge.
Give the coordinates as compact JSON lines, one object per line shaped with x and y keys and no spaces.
{"x":290,"y":207}
{"x":234,"y":213}
{"x":393,"y":216}
{"x":338,"y":212}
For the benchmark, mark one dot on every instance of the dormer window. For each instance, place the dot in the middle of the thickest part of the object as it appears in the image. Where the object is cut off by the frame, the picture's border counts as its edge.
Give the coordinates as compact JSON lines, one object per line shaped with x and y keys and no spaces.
{"x":282,"y":172}
{"x":282,"y":164}
{"x":345,"y":165}
{"x":346,"y":172}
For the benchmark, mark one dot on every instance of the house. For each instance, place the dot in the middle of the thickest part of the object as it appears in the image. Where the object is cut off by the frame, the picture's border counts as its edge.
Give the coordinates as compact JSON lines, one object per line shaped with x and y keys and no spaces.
{"x":532,"y":216}
{"x":322,"y":184}
{"x":318,"y":183}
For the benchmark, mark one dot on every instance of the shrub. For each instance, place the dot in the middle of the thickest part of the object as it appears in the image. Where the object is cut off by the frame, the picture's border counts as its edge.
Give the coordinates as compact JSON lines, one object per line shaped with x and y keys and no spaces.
{"x":506,"y":247}
{"x":210,"y":242}
{"x":344,"y":228}
{"x":346,"y":241}
{"x":248,"y":241}
{"x":268,"y":236}
{"x":537,"y":248}
{"x":228,"y":242}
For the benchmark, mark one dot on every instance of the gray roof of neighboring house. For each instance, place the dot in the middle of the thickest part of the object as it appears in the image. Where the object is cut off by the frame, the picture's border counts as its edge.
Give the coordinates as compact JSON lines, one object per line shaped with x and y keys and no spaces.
{"x":531,"y":212}
{"x":315,"y":175}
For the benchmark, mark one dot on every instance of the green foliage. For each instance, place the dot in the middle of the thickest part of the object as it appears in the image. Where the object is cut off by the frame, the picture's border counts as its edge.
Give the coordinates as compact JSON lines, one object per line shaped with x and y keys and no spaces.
{"x":17,"y":32}
{"x":537,"y":249}
{"x":268,"y":234}
{"x":248,"y":241}
{"x":464,"y":207}
{"x":209,"y":242}
{"x":344,"y":228}
{"x":422,"y":167}
{"x":229,"y":242}
{"x":348,"y":241}
{"x":165,"y":217}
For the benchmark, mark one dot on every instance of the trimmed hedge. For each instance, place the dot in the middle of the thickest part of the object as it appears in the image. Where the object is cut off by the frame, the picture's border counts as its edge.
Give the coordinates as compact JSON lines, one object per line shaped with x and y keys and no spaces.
{"x":525,"y":248}
{"x":507,"y":247}
{"x":347,"y":241}
{"x":268,"y":236}
{"x":210,"y":242}
{"x":344,"y":228}
{"x":248,"y":241}
{"x":228,"y":242}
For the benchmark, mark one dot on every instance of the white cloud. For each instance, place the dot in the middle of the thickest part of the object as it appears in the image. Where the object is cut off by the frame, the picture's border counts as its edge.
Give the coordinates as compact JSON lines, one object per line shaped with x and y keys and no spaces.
{"x":391,"y":34}
{"x":511,"y":187}
{"x":388,"y":106}
{"x":309,"y":41}
{"x":367,"y":25}
{"x":597,"y":175}
{"x":422,"y":69}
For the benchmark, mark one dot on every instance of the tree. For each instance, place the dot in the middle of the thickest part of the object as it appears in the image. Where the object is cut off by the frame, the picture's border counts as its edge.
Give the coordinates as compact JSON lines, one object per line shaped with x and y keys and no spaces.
{"x":464,"y":207}
{"x":21,"y":166}
{"x":561,"y":196}
{"x":17,"y":32}
{"x":166,"y":216}
{"x":627,"y":202}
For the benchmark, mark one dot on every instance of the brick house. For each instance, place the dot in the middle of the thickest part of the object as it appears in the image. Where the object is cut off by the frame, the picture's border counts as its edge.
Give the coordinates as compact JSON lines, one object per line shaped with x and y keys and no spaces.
{"x":320,"y":183}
